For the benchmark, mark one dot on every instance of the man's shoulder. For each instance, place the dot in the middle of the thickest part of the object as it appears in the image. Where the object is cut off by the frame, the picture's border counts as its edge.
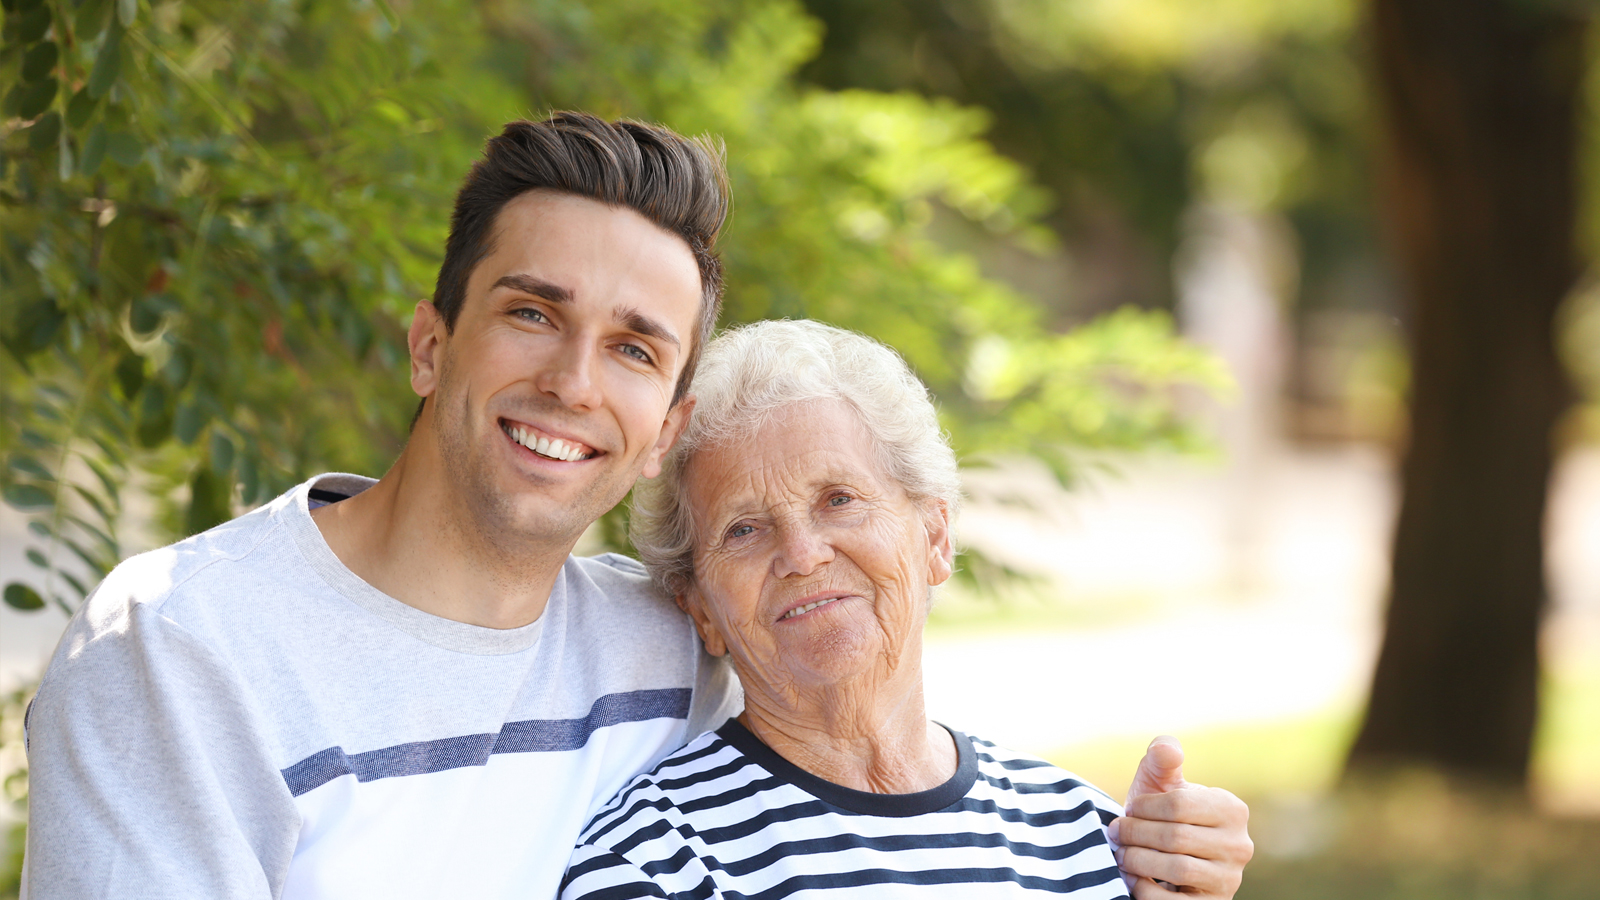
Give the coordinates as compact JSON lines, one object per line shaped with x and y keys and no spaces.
{"x":619,"y":580}
{"x":666,"y":792}
{"x":202,"y":576}
{"x":611,"y":565}
{"x":154,"y":578}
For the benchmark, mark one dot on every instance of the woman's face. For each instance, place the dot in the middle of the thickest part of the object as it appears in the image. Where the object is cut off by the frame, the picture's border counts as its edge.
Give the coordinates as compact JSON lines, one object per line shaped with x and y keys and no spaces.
{"x":812,"y":566}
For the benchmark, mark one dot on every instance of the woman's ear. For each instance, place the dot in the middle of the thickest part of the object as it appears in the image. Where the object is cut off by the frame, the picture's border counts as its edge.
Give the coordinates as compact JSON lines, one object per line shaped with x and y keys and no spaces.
{"x":690,"y":601}
{"x":941,"y":546}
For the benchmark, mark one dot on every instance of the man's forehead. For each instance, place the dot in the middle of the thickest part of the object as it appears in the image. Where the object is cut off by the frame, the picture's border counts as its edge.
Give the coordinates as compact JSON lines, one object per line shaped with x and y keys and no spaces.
{"x":532,"y":233}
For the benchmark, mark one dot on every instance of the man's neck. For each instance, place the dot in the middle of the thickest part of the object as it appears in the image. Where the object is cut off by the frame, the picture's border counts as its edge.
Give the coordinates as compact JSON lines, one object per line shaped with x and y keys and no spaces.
{"x":412,"y":538}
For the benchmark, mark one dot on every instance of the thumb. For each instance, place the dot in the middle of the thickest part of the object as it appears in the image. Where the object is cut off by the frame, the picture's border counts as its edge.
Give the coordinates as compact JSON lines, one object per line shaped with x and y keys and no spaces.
{"x":1160,"y":771}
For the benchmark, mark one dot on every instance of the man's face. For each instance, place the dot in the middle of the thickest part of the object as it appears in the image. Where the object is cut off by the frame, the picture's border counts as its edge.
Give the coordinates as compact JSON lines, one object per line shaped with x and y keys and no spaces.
{"x":553,"y":393}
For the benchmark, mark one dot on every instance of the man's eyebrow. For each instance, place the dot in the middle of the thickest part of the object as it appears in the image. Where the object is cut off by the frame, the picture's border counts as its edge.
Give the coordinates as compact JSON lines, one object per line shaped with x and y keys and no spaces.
{"x":639,"y":323}
{"x":538,"y":287}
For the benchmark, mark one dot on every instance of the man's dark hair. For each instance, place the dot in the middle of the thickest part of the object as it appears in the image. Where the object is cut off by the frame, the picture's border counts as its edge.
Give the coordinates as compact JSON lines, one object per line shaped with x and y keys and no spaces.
{"x":676,"y":182}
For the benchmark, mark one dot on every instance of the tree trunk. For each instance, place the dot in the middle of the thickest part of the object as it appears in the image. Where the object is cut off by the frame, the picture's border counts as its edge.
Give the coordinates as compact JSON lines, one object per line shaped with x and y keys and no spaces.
{"x":1480,"y":101}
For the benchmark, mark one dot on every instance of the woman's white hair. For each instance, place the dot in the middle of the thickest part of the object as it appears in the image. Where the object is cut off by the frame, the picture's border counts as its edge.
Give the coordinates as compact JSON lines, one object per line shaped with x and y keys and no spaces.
{"x":750,"y":374}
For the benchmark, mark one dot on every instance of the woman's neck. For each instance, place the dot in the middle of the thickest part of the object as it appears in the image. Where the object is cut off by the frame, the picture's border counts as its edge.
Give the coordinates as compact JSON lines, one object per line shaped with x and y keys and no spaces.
{"x":865,"y":739}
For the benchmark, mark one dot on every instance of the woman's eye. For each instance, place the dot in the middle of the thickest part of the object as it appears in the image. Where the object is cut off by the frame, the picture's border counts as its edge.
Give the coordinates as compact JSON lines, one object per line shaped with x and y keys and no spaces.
{"x":739,"y":531}
{"x":840,"y":500}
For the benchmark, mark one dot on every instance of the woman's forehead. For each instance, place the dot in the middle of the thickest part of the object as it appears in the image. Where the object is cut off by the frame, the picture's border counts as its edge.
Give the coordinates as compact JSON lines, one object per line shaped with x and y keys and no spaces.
{"x":789,"y":455}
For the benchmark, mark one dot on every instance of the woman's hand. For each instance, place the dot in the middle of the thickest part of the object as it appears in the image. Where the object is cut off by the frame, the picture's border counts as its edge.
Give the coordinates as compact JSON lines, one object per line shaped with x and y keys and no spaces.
{"x":1177,"y":837}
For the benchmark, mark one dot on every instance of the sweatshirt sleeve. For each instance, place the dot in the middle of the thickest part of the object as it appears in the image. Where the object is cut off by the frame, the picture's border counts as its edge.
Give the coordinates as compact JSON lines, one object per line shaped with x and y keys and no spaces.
{"x":150,"y":775}
{"x":717,"y":695}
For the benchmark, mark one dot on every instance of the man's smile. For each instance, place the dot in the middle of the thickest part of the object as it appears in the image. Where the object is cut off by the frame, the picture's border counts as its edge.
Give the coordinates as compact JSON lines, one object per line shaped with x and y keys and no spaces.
{"x":547,"y":446}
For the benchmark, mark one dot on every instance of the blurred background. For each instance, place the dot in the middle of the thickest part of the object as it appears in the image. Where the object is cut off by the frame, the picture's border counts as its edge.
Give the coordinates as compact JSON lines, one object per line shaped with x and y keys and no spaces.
{"x":1266,"y":331}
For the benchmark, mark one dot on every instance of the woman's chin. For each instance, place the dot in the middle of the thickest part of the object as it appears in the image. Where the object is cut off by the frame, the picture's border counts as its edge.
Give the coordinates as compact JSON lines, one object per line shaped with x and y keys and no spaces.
{"x":834,"y":655}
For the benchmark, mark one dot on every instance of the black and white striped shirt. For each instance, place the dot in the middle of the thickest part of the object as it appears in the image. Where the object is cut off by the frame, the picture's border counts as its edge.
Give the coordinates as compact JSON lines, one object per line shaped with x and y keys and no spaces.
{"x":727,"y":817}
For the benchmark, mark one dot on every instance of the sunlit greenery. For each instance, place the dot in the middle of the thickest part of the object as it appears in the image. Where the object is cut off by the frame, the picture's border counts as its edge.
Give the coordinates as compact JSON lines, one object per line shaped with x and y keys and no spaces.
{"x":218,"y":216}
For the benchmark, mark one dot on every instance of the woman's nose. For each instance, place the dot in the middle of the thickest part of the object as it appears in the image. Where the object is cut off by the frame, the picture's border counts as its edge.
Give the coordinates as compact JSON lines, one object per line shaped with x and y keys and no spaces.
{"x":801,"y":550}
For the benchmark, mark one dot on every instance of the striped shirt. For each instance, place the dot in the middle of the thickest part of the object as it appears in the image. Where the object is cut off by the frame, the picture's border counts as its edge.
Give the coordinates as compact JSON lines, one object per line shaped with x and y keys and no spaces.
{"x":728,"y":817}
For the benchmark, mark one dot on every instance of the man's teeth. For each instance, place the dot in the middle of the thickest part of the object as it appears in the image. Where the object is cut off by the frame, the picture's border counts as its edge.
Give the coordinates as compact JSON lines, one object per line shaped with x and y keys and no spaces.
{"x":807,"y":608}
{"x":553,"y":448}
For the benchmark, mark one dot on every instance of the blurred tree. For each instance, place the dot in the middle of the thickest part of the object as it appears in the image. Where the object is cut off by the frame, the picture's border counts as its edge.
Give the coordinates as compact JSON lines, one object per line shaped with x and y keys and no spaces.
{"x":1130,"y":111}
{"x":1481,"y":105}
{"x":215,"y":218}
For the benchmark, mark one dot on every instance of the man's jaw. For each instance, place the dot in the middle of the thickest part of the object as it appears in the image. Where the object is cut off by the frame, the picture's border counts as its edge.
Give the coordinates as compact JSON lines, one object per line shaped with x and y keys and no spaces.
{"x":546,"y":445}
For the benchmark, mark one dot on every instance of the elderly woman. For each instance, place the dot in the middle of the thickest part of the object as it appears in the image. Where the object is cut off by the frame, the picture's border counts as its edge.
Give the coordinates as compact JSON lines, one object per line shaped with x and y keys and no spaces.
{"x":803,"y":521}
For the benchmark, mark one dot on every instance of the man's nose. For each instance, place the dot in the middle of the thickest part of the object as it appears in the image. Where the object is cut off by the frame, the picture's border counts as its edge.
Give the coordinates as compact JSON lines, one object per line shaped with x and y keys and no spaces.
{"x":571,"y":376}
{"x":802,"y":549}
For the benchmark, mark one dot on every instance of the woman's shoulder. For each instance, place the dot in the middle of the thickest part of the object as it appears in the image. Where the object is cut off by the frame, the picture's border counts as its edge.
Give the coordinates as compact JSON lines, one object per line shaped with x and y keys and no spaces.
{"x":1025,"y":774}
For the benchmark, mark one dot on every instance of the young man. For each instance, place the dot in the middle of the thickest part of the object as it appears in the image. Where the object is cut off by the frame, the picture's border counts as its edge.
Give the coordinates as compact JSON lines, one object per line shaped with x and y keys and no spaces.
{"x":409,"y":687}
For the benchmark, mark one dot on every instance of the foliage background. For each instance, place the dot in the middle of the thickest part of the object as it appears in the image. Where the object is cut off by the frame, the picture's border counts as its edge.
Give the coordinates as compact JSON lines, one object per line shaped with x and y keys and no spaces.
{"x":216,"y":217}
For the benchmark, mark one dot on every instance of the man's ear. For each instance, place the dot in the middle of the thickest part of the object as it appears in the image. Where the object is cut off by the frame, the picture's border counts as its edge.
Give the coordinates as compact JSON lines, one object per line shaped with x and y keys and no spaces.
{"x":671,"y":429}
{"x":426,"y":340}
{"x":690,"y":601}
{"x":941,"y":548}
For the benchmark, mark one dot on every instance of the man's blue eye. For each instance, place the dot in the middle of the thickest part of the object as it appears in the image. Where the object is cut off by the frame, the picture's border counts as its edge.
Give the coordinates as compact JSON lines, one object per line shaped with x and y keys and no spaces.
{"x":637,"y":352}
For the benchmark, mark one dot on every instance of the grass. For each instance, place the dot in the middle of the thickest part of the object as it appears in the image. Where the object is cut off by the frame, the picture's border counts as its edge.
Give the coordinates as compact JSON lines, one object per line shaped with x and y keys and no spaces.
{"x":1413,"y":838}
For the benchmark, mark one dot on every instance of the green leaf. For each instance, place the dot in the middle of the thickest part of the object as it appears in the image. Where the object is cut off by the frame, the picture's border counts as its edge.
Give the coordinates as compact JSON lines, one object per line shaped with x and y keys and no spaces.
{"x":116,"y":454}
{"x":92,"y":500}
{"x":126,"y":11}
{"x":36,"y":98}
{"x":40,"y":61}
{"x":20,"y":596}
{"x":33,"y":24}
{"x":106,"y":64}
{"x":155,"y":418}
{"x":64,"y":163}
{"x":91,"y":19}
{"x":13,"y":101}
{"x":96,"y":565}
{"x":77,"y":585}
{"x":209,"y":501}
{"x":37,"y":325}
{"x":37,"y":558}
{"x":44,"y":410}
{"x":106,"y":542}
{"x":144,"y":316}
{"x":124,"y":148}
{"x":190,"y":419}
{"x":41,"y":529}
{"x":94,"y":146}
{"x":249,"y":480}
{"x":221,"y":453}
{"x":130,"y":369}
{"x":25,"y":497}
{"x":27,"y":465}
{"x":106,"y":481}
{"x":44,"y":133}
{"x":80,"y":108}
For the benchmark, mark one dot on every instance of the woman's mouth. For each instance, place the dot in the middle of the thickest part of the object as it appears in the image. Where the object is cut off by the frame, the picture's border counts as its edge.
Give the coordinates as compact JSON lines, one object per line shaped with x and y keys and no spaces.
{"x":802,"y":610}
